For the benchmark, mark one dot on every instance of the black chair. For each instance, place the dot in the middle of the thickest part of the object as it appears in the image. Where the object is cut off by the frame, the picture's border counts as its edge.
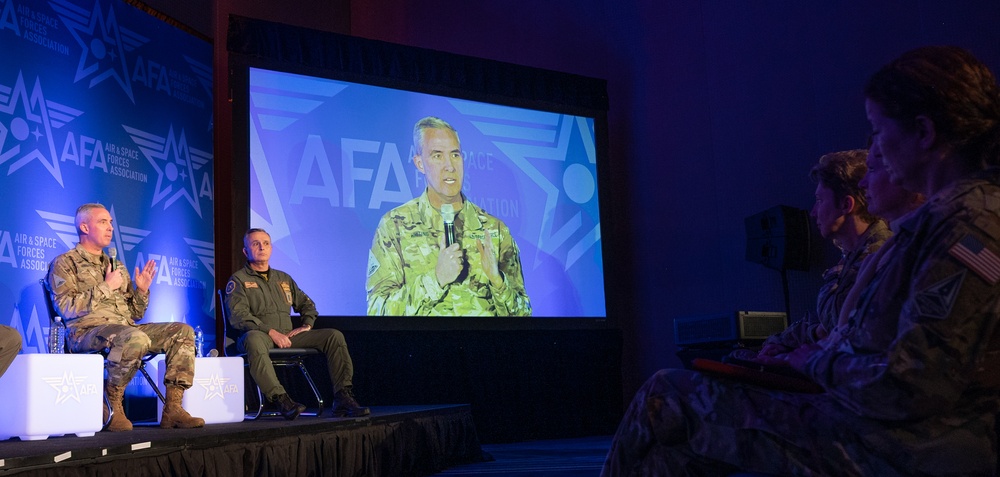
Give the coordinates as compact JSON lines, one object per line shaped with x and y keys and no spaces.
{"x":56,"y":323}
{"x":280,"y":357}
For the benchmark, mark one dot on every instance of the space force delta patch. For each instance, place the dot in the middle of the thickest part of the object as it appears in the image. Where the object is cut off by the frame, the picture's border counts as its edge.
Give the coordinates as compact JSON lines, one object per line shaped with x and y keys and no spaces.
{"x":937,"y":300}
{"x":981,"y":260}
{"x":373,"y":264}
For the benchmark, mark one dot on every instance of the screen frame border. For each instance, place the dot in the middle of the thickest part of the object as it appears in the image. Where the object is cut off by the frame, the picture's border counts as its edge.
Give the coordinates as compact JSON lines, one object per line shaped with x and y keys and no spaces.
{"x":545,"y":90}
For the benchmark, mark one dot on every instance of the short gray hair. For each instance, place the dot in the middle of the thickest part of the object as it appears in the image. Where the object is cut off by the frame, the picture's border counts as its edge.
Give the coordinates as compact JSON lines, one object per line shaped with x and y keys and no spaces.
{"x":83,"y":213}
{"x":430,"y":122}
{"x":254,"y":230}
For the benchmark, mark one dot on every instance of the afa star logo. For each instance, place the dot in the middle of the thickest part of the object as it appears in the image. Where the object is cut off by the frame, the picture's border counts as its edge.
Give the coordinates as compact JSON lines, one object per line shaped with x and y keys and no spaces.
{"x":216,"y":387}
{"x":70,"y":387}
{"x":550,"y":138}
{"x":103,"y":43}
{"x":175,"y":163}
{"x":27,"y":126}
{"x":124,"y":237}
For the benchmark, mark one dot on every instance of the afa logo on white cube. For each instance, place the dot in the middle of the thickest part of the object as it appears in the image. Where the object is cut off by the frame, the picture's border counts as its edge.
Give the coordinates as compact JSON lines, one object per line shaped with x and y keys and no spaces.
{"x":217,"y":392}
{"x":52,"y":395}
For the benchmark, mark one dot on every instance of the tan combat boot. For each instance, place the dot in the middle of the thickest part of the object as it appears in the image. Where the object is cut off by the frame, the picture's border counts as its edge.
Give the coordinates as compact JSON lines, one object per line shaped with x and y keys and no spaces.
{"x":119,"y":422}
{"x":174,"y":416}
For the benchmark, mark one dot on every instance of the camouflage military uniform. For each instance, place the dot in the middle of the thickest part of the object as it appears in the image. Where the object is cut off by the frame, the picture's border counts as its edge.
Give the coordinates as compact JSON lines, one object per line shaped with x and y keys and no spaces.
{"x":402,"y":260}
{"x":911,"y":390}
{"x":837,"y":281}
{"x":10,"y":345}
{"x":258,"y":304}
{"x":100,"y":318}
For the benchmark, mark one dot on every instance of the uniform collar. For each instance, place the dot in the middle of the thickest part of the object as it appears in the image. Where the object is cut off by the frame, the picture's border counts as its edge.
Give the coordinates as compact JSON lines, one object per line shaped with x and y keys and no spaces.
{"x":90,"y":257}
{"x":251,"y":271}
{"x":469,"y":214}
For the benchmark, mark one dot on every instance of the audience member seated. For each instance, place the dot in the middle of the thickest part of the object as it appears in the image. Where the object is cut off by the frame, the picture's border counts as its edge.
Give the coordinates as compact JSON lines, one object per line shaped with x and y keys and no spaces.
{"x":890,"y":202}
{"x":842,"y":216}
{"x":913,"y":388}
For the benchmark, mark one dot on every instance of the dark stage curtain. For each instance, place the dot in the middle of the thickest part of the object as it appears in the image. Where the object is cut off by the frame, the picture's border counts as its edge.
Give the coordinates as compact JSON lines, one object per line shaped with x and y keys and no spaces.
{"x":391,"y":65}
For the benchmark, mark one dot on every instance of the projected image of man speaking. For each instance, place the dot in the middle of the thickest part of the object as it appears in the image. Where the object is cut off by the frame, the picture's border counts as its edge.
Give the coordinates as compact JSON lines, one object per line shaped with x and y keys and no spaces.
{"x":439,"y":254}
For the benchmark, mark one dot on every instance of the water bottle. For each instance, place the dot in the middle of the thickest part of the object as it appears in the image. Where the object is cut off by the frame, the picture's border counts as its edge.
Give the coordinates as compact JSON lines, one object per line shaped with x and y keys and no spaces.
{"x":57,"y":336}
{"x":199,"y":341}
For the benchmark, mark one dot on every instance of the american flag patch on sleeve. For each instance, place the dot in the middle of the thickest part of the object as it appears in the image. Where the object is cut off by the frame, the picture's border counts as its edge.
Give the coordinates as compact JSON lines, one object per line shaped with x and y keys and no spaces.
{"x":970,"y":251}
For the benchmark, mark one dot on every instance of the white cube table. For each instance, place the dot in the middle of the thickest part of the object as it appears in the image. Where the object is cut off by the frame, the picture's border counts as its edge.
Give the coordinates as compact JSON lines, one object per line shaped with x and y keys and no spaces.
{"x":52,"y":395}
{"x":217,"y":392}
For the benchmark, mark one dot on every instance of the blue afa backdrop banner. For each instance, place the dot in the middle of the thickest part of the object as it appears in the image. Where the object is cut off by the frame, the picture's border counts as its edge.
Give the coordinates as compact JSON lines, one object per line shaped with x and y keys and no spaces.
{"x":101,"y":102}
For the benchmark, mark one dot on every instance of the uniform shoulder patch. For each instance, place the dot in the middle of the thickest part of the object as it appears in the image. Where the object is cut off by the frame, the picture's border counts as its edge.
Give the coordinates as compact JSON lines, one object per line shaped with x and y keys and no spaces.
{"x":936,"y":300}
{"x":980,"y":259}
{"x":230,"y":287}
{"x":373,"y":264}
{"x":59,"y":281}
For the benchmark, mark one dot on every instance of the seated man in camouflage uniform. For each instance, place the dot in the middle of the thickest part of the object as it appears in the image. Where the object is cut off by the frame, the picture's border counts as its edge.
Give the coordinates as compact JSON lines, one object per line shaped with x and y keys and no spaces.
{"x":259,"y":300}
{"x":10,"y":345}
{"x":411,"y":271}
{"x":101,"y":305}
{"x":842,"y":216}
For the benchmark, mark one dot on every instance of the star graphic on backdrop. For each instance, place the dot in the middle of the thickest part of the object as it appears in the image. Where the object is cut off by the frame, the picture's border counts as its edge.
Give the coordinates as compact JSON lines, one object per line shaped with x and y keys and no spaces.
{"x":103,"y":43}
{"x":27,"y":122}
{"x":174,"y":162}
{"x":547,"y":139}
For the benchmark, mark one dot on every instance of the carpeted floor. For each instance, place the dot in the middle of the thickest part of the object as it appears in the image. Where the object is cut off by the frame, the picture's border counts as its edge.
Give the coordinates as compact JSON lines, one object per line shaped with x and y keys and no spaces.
{"x":581,"y":457}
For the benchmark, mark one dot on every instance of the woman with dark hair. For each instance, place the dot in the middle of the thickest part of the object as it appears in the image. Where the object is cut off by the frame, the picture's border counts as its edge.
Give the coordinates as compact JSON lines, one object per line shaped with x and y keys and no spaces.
{"x":842,"y":216}
{"x":914,"y":387}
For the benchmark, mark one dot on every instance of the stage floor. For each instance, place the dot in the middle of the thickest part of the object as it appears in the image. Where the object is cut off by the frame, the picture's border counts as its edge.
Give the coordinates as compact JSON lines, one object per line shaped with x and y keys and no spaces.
{"x":398,"y":440}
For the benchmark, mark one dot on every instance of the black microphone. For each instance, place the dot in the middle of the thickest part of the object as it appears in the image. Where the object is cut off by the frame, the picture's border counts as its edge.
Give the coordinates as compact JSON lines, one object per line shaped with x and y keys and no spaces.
{"x":448,"y":212}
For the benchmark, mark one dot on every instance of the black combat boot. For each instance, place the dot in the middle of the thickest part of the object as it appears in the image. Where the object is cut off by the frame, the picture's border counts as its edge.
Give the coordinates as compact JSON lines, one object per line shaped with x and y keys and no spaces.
{"x":288,"y":408}
{"x":344,"y":404}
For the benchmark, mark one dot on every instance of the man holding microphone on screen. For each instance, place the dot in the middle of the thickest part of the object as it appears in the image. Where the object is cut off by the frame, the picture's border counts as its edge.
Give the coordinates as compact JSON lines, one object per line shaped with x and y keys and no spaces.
{"x":439,"y":254}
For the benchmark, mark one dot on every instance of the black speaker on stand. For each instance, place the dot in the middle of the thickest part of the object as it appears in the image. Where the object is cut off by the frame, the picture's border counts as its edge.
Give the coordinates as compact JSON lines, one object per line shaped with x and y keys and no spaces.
{"x":779,"y":238}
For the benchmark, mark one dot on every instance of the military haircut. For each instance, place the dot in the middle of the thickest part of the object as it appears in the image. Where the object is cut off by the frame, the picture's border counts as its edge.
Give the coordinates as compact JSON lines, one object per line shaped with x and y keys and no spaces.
{"x":246,"y":236}
{"x":83,"y":213}
{"x":429,"y":122}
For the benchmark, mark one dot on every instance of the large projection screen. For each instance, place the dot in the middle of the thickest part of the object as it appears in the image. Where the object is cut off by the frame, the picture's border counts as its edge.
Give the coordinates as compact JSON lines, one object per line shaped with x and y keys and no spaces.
{"x":329,"y":158}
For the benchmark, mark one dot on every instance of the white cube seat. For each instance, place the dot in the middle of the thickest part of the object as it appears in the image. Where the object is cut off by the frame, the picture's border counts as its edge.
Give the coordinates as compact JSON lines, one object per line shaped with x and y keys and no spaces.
{"x":217,"y":392}
{"x":52,"y":395}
